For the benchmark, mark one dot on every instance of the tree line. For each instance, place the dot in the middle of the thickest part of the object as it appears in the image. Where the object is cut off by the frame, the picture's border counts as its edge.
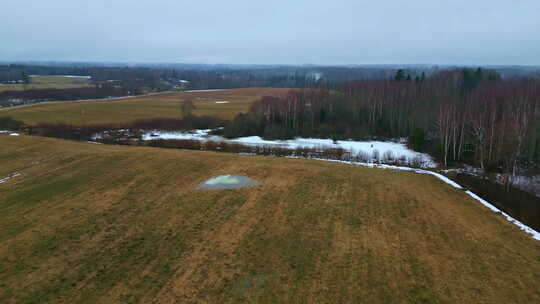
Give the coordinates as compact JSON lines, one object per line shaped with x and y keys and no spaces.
{"x":460,"y":116}
{"x":9,"y":98}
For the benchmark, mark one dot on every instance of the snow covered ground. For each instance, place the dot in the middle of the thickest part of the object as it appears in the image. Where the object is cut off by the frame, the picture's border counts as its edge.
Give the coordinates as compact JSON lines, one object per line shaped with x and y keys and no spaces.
{"x":372,"y":149}
{"x":11,"y":133}
{"x":208,"y":90}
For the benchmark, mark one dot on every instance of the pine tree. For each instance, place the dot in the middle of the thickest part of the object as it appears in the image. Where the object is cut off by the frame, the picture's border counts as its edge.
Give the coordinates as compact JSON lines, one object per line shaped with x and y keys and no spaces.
{"x":25,"y":78}
{"x":400,"y":75}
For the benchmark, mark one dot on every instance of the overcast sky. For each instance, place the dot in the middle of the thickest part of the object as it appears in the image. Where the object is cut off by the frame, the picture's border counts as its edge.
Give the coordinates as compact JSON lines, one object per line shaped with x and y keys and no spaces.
{"x":275,"y":31}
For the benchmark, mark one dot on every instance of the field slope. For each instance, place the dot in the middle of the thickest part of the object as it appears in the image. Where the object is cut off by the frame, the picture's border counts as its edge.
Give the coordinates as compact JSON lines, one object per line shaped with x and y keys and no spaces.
{"x":87,"y":223}
{"x":144,"y":107}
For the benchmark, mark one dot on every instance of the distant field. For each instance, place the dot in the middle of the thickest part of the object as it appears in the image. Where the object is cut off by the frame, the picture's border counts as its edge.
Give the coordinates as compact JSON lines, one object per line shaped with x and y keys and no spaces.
{"x":87,"y":223}
{"x":48,"y":82}
{"x":130,"y":109}
{"x":58,"y":79}
{"x":20,"y":86}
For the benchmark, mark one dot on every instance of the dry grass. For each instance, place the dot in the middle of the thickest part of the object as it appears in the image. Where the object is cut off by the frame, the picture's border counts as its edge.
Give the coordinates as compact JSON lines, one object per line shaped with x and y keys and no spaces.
{"x":145,"y":107}
{"x":92,"y":223}
{"x":58,"y":79}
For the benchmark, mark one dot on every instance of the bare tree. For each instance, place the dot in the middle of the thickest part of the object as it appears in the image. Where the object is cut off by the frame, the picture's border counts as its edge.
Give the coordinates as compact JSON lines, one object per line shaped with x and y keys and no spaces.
{"x":186,"y":108}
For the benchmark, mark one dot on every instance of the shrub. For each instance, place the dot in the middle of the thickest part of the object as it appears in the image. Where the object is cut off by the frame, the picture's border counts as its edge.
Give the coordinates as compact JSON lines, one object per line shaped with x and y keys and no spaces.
{"x":9,"y":123}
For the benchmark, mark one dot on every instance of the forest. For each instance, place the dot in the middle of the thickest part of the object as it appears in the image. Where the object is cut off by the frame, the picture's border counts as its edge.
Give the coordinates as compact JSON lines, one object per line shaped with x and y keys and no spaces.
{"x":468,"y":116}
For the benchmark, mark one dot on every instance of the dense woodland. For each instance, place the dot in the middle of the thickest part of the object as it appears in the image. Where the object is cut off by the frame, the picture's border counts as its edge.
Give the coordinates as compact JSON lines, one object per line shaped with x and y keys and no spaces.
{"x":461,"y":116}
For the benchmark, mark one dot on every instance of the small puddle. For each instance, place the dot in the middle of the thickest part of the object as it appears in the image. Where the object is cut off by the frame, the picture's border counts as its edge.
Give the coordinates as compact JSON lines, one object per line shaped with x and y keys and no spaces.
{"x":227,"y":182}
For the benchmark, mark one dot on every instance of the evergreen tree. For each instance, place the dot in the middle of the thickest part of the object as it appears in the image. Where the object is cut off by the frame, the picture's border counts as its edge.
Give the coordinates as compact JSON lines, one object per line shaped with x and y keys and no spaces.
{"x":400,"y":75}
{"x":25,"y":78}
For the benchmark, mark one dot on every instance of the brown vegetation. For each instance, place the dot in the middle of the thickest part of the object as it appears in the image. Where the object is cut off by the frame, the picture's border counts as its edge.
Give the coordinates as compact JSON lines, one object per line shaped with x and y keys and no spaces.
{"x":144,"y":107}
{"x":87,"y":223}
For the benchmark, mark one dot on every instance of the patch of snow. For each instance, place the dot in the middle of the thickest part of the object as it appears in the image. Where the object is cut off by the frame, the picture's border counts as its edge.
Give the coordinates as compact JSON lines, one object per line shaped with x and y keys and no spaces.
{"x":13,"y":134}
{"x":220,"y":102}
{"x":227,"y":182}
{"x":200,"y":91}
{"x":4,"y":131}
{"x":372,"y":149}
{"x":5,"y":179}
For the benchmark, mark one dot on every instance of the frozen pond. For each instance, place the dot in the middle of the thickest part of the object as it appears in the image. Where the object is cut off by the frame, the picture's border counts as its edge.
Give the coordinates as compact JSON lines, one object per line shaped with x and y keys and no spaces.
{"x":371,"y":149}
{"x":227,"y":182}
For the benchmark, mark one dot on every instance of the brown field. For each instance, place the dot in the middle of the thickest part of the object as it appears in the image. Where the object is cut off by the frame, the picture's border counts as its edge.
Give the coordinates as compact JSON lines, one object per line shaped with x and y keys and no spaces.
{"x":144,"y":107}
{"x":58,"y":79}
{"x":88,"y":223}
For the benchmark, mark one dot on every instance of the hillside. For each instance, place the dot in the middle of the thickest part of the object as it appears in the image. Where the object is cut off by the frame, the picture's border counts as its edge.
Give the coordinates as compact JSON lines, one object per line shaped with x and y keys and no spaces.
{"x":86,"y":223}
{"x":143,"y":107}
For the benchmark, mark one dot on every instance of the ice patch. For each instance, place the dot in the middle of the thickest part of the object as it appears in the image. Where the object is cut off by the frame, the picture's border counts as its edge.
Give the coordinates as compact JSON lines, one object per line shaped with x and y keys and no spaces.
{"x":209,"y":90}
{"x":5,"y":179}
{"x":227,"y":182}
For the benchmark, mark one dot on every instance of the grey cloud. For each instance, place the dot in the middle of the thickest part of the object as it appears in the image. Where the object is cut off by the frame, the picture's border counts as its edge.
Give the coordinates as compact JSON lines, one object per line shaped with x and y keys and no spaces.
{"x":293,"y":32}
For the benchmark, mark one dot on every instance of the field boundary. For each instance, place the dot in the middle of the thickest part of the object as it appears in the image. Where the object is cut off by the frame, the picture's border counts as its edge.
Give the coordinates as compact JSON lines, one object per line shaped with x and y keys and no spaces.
{"x":85,"y":100}
{"x":535,"y":234}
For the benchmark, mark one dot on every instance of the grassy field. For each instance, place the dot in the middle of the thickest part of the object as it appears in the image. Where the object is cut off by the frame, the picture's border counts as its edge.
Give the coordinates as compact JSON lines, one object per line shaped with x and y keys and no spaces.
{"x":144,"y":107}
{"x":21,"y":87}
{"x":58,"y":79}
{"x":47,"y":82}
{"x":87,"y":223}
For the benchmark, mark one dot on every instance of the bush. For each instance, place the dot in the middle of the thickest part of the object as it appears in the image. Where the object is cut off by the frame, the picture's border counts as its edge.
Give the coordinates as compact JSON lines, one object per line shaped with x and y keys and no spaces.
{"x":9,"y":123}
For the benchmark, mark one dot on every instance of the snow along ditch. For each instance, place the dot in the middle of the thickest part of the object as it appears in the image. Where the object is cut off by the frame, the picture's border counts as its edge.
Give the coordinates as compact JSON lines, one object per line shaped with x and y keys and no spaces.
{"x":535,"y":234}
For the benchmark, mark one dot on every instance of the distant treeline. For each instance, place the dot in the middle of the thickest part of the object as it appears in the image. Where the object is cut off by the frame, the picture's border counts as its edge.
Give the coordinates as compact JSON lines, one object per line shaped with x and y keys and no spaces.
{"x":143,"y":78}
{"x":18,"y":97}
{"x":161,"y":77}
{"x":465,"y":116}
